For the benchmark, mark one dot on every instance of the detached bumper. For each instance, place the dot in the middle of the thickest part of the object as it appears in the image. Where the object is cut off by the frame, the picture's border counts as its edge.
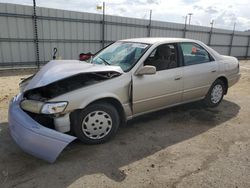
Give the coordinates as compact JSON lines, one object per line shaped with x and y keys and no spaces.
{"x":34,"y":138}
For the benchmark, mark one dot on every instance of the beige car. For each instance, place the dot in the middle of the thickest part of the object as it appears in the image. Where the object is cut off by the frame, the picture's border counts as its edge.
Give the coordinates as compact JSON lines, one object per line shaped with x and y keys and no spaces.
{"x":90,"y":100}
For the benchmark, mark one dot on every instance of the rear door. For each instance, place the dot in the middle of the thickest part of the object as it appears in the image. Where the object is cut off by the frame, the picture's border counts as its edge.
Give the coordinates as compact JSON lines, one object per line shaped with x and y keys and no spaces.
{"x":151,"y":92}
{"x":199,"y":71}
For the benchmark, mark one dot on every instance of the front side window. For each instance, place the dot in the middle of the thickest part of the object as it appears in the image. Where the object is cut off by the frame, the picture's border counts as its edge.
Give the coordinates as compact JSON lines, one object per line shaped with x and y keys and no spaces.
{"x":194,"y":54}
{"x":123,"y":54}
{"x":163,"y":57}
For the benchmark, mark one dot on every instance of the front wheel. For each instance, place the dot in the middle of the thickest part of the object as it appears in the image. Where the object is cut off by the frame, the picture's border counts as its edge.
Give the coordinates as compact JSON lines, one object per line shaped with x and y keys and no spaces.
{"x":96,"y":123}
{"x":215,"y":94}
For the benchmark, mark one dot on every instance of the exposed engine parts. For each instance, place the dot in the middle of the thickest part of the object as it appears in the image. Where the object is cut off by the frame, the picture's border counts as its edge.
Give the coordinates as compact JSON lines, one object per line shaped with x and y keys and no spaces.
{"x":68,"y":84}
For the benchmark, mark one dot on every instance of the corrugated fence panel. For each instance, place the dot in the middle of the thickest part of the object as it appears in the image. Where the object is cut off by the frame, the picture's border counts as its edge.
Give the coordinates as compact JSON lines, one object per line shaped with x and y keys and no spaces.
{"x":238,"y":51}
{"x":222,"y":31}
{"x":198,"y":36}
{"x":64,"y":33}
{"x":75,"y":32}
{"x":240,"y":40}
{"x":166,"y":33}
{"x":221,"y":49}
{"x":219,"y":39}
{"x":1,"y":54}
{"x":14,"y":28}
{"x":6,"y":51}
{"x":128,"y":28}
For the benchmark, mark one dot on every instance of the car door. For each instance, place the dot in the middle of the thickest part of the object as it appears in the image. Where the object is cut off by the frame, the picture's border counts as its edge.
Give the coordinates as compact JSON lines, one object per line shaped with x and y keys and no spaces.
{"x":151,"y":92}
{"x":199,"y":71}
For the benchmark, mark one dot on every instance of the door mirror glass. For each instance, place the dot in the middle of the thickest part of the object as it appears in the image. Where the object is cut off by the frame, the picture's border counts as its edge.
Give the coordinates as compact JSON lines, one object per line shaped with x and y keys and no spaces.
{"x":146,"y":70}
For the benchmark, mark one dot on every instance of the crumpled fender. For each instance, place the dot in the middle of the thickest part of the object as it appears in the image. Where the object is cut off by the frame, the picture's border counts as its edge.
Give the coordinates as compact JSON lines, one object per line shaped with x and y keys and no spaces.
{"x":32,"y":137}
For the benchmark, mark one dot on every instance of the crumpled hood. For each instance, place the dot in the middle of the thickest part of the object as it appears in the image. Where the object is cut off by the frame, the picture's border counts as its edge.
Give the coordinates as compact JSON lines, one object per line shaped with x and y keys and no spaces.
{"x":59,"y":69}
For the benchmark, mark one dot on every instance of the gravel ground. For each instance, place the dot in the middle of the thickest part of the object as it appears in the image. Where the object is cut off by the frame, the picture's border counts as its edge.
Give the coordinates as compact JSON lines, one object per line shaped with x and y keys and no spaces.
{"x":184,"y":146}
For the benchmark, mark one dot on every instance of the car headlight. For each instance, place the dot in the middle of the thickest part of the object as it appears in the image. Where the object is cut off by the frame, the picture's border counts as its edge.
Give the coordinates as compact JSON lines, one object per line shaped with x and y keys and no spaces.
{"x":54,"y":107}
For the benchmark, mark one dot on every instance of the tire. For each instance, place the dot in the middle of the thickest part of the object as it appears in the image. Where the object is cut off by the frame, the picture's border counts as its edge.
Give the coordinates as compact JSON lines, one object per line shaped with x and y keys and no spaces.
{"x":215,"y":94}
{"x":96,"y":123}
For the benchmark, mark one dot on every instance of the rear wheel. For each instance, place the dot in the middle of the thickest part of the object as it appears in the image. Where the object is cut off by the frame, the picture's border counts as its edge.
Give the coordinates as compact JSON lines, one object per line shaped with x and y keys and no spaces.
{"x":215,"y":94}
{"x":96,"y":123}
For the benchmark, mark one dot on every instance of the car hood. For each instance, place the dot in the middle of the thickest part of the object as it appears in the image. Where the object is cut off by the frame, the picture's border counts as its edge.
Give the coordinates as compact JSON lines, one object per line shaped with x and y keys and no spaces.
{"x":56,"y":70}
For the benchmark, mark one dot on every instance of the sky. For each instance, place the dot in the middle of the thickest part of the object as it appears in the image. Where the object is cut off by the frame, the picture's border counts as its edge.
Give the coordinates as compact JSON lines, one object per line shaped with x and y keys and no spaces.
{"x":224,"y":12}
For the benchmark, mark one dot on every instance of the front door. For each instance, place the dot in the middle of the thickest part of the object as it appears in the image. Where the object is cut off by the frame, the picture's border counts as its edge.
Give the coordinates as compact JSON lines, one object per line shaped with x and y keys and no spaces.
{"x":151,"y":92}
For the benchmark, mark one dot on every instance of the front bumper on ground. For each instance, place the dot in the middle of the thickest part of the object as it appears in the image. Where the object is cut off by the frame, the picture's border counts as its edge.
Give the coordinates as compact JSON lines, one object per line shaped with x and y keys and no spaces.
{"x":34,"y":138}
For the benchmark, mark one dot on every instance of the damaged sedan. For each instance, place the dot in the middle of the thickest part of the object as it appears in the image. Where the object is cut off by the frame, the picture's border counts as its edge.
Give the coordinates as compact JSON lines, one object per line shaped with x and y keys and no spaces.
{"x":70,"y":99}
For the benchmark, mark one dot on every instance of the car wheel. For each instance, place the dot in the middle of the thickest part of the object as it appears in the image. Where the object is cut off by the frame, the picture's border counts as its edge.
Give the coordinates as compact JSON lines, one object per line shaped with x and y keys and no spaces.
{"x":96,"y":123}
{"x":215,"y":94}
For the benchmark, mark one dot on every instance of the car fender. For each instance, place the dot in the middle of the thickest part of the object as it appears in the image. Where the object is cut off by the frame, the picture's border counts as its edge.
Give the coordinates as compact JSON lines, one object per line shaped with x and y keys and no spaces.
{"x":97,"y":97}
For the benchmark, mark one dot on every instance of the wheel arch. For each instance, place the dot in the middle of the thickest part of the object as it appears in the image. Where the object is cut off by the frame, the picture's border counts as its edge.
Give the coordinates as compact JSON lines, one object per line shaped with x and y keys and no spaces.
{"x":107,"y":99}
{"x":116,"y":103}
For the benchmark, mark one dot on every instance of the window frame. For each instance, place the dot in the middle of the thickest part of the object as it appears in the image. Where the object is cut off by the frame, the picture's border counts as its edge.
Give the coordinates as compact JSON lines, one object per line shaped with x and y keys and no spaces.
{"x":178,"y":55}
{"x":182,"y":54}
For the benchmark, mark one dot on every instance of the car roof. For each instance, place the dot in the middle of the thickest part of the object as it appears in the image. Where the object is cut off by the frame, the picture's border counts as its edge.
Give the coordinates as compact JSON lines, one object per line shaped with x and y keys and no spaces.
{"x":154,"y":40}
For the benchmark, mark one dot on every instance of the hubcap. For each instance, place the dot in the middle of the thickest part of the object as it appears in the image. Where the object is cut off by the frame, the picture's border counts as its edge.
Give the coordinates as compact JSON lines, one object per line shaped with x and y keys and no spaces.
{"x":216,"y":94}
{"x":96,"y":124}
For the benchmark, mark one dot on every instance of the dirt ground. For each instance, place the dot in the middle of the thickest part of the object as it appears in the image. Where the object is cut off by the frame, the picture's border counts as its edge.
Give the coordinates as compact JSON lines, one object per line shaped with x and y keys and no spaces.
{"x":184,"y":146}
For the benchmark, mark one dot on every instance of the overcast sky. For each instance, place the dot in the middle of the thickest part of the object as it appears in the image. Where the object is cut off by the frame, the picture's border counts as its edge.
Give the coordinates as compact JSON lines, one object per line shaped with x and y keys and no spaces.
{"x":223,"y":12}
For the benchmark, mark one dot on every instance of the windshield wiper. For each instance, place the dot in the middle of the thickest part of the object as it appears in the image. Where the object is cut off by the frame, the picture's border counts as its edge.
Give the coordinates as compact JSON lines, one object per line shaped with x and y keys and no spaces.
{"x":106,"y":62}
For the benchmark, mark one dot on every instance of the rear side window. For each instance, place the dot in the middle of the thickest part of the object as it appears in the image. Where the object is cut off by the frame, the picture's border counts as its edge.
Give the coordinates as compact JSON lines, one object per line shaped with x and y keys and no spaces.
{"x":194,"y":54}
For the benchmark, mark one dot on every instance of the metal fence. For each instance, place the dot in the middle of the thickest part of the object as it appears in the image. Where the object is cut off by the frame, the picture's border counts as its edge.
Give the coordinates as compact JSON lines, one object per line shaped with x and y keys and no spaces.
{"x":28,"y":35}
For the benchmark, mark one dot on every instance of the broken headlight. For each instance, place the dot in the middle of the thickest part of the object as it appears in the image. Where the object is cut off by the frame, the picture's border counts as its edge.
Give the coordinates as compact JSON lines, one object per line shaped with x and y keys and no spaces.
{"x":53,"y":107}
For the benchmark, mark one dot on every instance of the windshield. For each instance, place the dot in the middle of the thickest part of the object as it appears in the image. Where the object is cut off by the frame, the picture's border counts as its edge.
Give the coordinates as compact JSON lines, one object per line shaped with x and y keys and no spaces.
{"x":123,"y":54}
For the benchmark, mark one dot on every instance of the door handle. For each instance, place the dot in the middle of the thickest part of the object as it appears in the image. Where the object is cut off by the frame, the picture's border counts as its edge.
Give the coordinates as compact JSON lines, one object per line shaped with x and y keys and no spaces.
{"x":177,"y":78}
{"x":213,"y":70}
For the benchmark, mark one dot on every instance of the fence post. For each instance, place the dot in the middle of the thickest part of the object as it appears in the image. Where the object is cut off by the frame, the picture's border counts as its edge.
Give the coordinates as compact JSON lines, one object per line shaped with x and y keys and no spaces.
{"x":248,"y":44}
{"x":149,"y":25}
{"x":103,"y":24}
{"x":36,"y":35}
{"x":231,"y":42}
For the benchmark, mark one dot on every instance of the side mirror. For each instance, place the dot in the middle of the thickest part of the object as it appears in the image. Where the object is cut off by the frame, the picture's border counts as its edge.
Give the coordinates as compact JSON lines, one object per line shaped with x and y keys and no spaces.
{"x":146,"y":70}
{"x":84,"y":57}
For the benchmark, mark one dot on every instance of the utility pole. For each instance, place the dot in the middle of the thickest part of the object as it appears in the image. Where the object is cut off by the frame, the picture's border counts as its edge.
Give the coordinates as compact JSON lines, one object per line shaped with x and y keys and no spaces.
{"x":210,"y":33}
{"x":190,"y":15}
{"x":212,"y":24}
{"x":232,"y":38}
{"x":149,"y":25}
{"x":186,"y":17}
{"x":185,"y":27}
